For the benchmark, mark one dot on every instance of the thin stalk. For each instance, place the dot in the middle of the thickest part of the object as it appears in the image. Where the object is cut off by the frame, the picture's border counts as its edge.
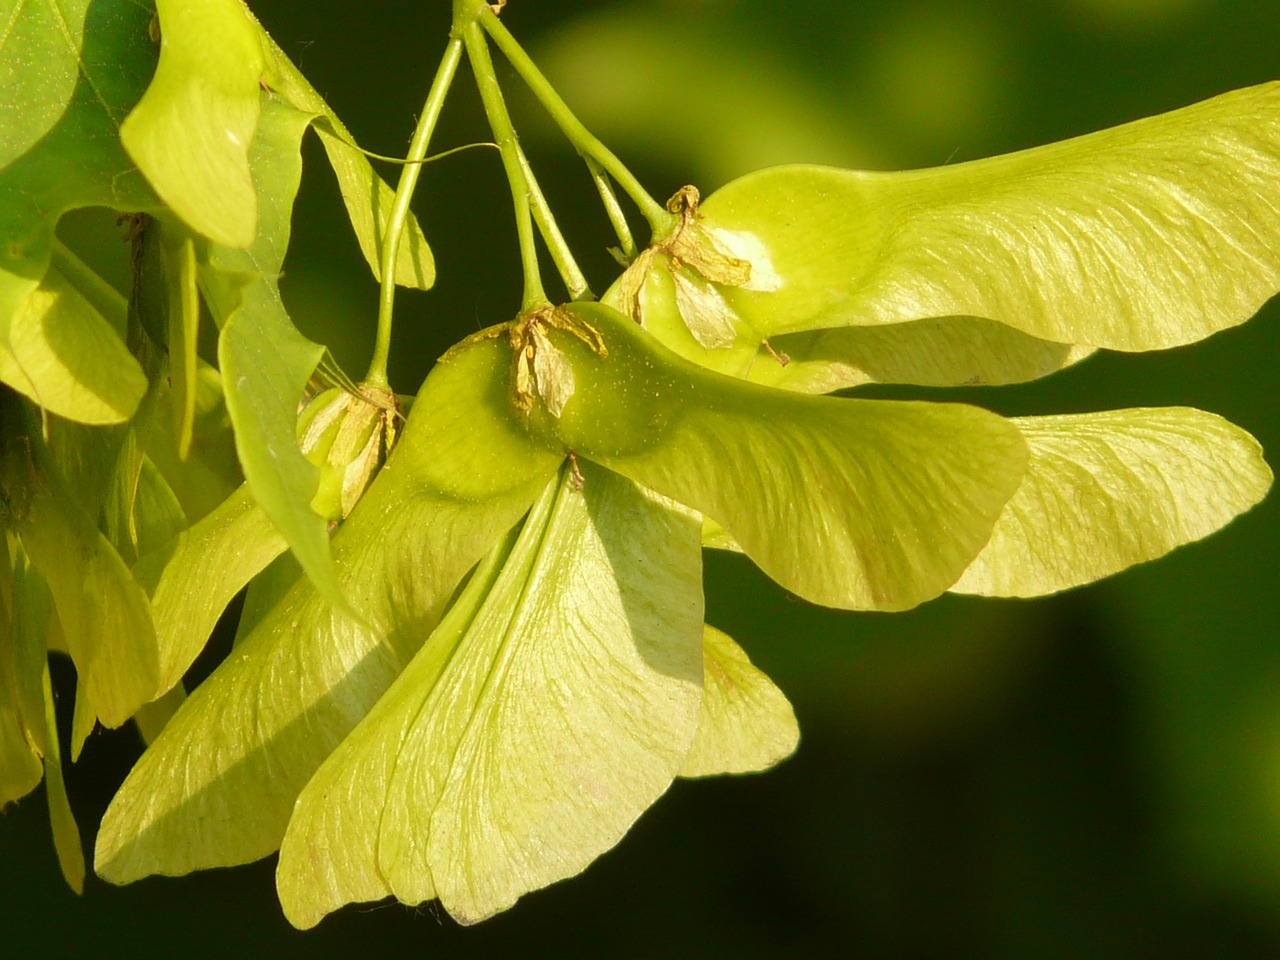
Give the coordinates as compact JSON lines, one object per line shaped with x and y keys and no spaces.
{"x":613,"y":209}
{"x":562,"y":256}
{"x":405,"y":161}
{"x":495,"y":109}
{"x":377,"y":375}
{"x":585,"y":142}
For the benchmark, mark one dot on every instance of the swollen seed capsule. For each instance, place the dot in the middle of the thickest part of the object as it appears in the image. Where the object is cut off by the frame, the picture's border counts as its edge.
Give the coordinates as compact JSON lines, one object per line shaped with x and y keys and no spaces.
{"x":616,"y":379}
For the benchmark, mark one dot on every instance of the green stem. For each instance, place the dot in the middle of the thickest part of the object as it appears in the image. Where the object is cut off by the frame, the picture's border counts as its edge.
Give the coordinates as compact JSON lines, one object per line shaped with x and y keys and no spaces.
{"x":613,"y":209}
{"x":585,"y":142}
{"x":106,"y":298}
{"x":377,"y":375}
{"x":504,"y":133}
{"x":561,"y":255}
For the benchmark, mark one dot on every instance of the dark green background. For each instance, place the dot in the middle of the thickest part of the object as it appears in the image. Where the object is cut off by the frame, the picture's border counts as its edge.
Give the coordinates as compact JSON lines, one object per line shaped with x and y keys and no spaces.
{"x":1093,"y":775}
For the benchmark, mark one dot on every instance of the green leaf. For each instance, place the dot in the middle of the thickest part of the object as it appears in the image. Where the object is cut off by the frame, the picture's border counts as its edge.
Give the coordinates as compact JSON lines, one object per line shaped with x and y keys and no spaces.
{"x":66,"y":834}
{"x":859,"y":504}
{"x":117,"y":519}
{"x":104,"y":614}
{"x":84,"y":719}
{"x":39,"y":66}
{"x":192,"y":578}
{"x":1104,"y":491}
{"x":248,"y":738}
{"x":747,"y":723}
{"x":367,"y":198}
{"x":157,"y":515}
{"x":715,"y":537}
{"x":265,"y":361}
{"x":528,"y":733}
{"x":106,"y":469}
{"x":193,"y":447}
{"x":29,"y":745}
{"x":184,"y":331}
{"x":1142,"y":237}
{"x":269,"y":363}
{"x":78,"y":162}
{"x":211,"y":472}
{"x":20,"y":769}
{"x":32,"y":623}
{"x":116,"y":484}
{"x":190,"y":133}
{"x":68,"y":335}
{"x":152,"y":717}
{"x":64,"y":355}
{"x":88,"y":459}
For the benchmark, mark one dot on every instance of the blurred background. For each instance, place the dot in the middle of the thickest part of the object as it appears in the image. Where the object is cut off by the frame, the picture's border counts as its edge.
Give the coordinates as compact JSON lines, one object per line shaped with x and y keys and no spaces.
{"x":1091,"y":775}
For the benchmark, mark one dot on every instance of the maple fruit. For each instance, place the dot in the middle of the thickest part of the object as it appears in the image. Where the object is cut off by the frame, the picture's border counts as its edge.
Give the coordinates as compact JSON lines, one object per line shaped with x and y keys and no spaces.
{"x":474,"y":645}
